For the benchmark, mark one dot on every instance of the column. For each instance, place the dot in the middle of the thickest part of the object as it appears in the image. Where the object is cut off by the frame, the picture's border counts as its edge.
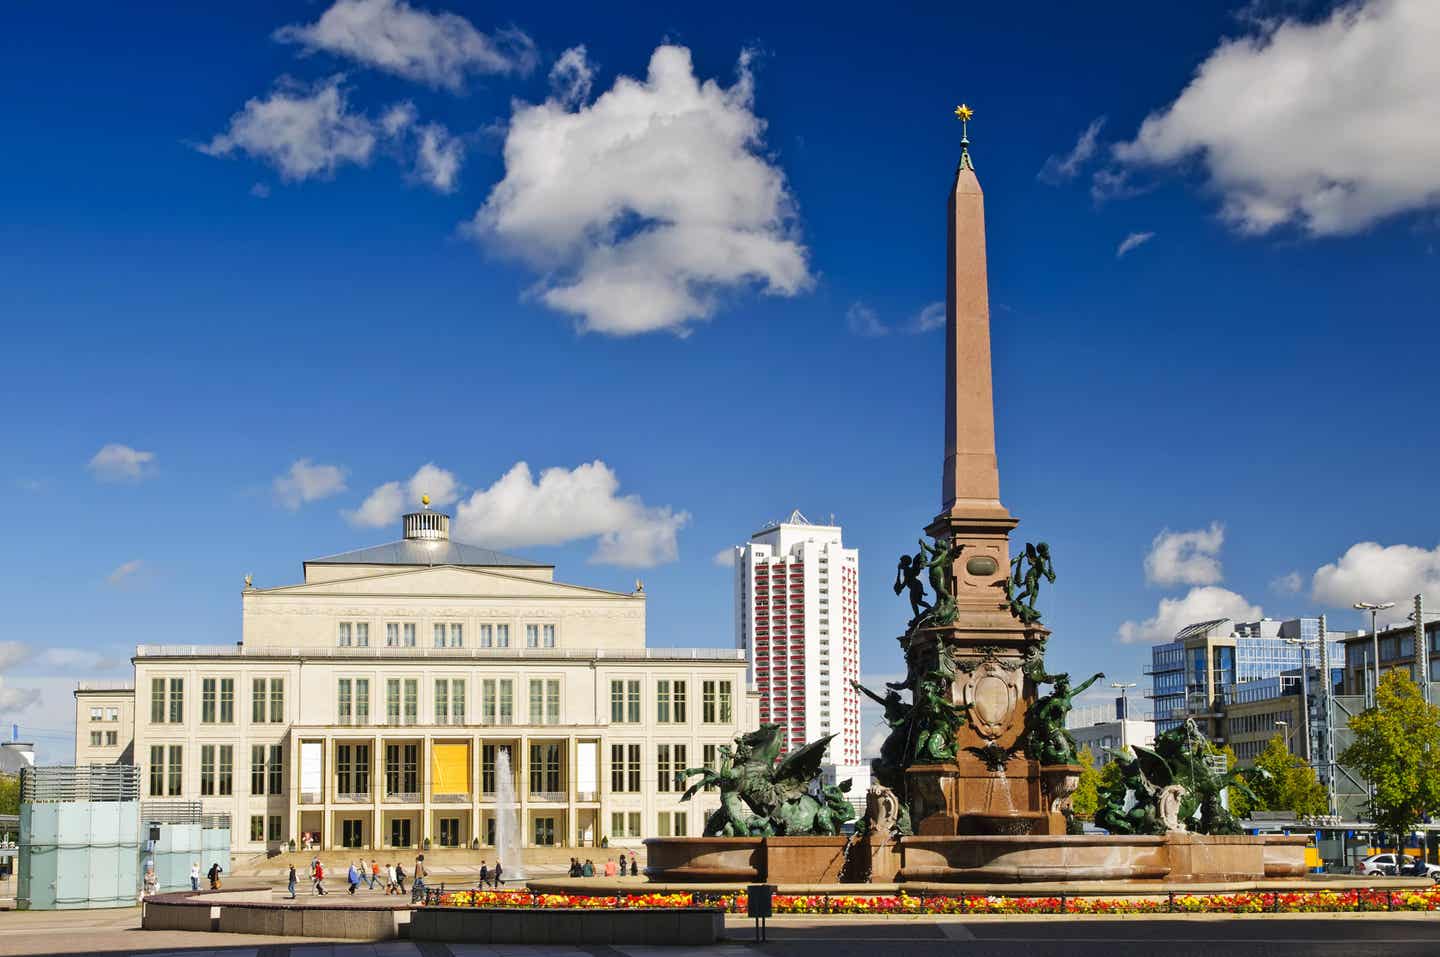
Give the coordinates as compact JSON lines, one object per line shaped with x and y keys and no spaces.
{"x":572,"y":827}
{"x":425,"y":785}
{"x":377,"y":771}
{"x":293,"y":792}
{"x":474,"y":789}
{"x":522,"y":786}
{"x":327,"y":796}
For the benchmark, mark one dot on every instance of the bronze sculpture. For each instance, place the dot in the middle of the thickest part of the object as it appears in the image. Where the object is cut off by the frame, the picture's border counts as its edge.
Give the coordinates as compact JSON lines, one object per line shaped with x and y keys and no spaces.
{"x":1046,"y":738}
{"x":1027,"y":580}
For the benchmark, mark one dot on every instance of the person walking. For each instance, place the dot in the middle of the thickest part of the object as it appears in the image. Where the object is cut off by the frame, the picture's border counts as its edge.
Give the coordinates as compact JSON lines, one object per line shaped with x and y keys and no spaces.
{"x":417,"y":884}
{"x":291,"y":882}
{"x":362,"y":871}
{"x":498,"y":870}
{"x":484,"y":874}
{"x":634,"y":865}
{"x":400,"y":877}
{"x":374,"y":874}
{"x":319,"y":877}
{"x":352,"y":877}
{"x":195,"y":876}
{"x":150,"y":881}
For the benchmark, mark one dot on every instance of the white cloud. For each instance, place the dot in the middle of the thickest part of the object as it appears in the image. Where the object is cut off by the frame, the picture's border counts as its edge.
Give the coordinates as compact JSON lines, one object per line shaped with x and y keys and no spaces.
{"x":930,"y":318}
{"x":1133,"y":241}
{"x":1186,"y":558}
{"x":875,"y":740}
{"x":436,"y":49}
{"x":862,"y":321}
{"x":569,"y":504}
{"x":386,"y":503}
{"x":120,"y":463}
{"x":13,"y":653}
{"x":125,"y":571}
{"x":1288,"y":584}
{"x":640,"y":209}
{"x":438,"y":157}
{"x":17,"y":699}
{"x":79,"y":659}
{"x":1059,"y":169}
{"x":1199,"y":604}
{"x":1330,"y":124}
{"x":1369,"y":571}
{"x":308,"y":482}
{"x":571,"y":77}
{"x":725,"y":557}
{"x":302,"y":132}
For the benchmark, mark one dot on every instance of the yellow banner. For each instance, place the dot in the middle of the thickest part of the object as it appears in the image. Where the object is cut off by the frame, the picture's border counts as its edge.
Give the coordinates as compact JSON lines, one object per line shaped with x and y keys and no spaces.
{"x":450,"y":769}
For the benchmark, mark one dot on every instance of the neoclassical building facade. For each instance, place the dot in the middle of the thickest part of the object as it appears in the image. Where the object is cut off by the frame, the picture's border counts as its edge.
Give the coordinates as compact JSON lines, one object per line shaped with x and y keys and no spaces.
{"x":374,"y":705}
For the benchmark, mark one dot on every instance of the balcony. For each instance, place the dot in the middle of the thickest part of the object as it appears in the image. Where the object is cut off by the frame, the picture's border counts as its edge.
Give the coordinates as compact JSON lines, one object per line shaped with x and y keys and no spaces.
{"x":450,"y":798}
{"x":311,"y":797}
{"x":550,"y":797}
{"x":352,"y":797}
{"x":402,"y":797}
{"x":587,"y":797}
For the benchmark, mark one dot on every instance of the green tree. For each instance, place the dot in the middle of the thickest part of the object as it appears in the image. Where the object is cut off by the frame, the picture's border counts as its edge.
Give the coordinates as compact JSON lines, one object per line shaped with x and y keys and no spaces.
{"x":1289,"y":783}
{"x":1239,"y":803}
{"x":9,"y":794}
{"x":1397,"y":749}
{"x":1087,"y":794}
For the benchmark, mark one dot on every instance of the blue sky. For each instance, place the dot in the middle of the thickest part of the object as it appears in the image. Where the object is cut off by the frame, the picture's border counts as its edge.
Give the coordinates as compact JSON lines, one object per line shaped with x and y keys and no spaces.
{"x":234,"y":249}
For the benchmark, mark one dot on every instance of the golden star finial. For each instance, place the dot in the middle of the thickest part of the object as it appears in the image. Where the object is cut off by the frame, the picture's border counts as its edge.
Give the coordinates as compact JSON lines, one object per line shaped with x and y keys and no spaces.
{"x":963,"y":113}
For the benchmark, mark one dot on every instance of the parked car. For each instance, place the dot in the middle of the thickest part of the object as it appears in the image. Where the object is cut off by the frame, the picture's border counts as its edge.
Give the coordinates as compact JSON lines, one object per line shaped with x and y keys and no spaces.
{"x":1384,"y":865}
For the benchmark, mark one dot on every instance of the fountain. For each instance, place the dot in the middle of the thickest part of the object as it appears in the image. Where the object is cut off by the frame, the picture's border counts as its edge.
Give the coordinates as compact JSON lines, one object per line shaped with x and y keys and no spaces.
{"x":974,"y":782}
{"x":507,"y":821}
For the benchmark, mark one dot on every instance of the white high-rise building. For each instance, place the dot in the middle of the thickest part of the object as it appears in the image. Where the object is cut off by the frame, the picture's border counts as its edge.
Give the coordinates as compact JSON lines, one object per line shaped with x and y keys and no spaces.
{"x":797,"y":617}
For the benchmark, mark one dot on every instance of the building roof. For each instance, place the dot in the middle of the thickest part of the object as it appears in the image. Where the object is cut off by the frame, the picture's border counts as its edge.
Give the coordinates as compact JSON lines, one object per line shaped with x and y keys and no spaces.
{"x":415,"y":552}
{"x":1199,"y":628}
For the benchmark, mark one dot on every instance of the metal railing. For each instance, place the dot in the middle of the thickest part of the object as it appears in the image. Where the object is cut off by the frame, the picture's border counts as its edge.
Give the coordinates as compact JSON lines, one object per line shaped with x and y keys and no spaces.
{"x":105,"y":686}
{"x":402,"y":797}
{"x":352,"y":797}
{"x":554,"y":797}
{"x":450,"y":798}
{"x":93,"y":782}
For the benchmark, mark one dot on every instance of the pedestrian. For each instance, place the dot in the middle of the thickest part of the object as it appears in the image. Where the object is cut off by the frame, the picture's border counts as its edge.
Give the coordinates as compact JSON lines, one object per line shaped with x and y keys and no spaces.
{"x":319,"y":877}
{"x":609,"y":867}
{"x":498,"y":869}
{"x":634,"y":870}
{"x":574,"y":867}
{"x":588,"y":868}
{"x":417,"y":885}
{"x":214,"y":875}
{"x":195,"y":876}
{"x":390,"y":879}
{"x":400,"y":877}
{"x":374,"y":874}
{"x":291,"y":882}
{"x":352,"y":878}
{"x":150,"y":881}
{"x":484,"y":874}
{"x":362,"y":870}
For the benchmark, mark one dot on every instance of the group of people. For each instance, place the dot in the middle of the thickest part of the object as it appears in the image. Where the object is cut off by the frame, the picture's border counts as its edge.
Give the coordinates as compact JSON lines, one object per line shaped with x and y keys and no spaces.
{"x":626,"y":867}
{"x":489,"y":878}
{"x":212,"y":875}
{"x":363,"y":873}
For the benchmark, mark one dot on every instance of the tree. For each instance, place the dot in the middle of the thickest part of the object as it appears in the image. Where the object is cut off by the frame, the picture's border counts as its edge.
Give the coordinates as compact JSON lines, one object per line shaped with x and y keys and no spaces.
{"x":1087,"y":794}
{"x":1289,"y":784}
{"x":9,"y":794}
{"x":1239,"y":802}
{"x":1397,"y":749}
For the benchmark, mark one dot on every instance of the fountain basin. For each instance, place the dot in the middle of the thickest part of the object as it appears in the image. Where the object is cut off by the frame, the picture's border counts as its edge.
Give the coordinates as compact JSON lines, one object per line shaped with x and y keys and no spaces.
{"x":773,"y":860}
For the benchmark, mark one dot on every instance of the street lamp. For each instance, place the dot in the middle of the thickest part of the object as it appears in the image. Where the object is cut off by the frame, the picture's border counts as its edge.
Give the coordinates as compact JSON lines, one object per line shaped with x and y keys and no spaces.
{"x":1124,"y":687}
{"x":1304,"y":689}
{"x":1285,"y":727}
{"x":1374,"y":608}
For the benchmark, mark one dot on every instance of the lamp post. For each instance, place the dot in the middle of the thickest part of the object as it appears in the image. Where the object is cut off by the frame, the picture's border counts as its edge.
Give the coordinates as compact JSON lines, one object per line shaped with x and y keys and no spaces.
{"x":1374,"y":608}
{"x":1285,"y":727}
{"x":1304,"y":690}
{"x":1124,"y":687}
{"x":1422,"y":649}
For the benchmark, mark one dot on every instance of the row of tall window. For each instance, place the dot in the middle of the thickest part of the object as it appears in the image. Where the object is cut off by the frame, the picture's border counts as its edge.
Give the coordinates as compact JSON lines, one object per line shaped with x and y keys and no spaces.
{"x":444,"y":634}
{"x":716,"y":701}
{"x":670,"y":767}
{"x":217,"y":770}
{"x":402,"y":701}
{"x":217,"y":701}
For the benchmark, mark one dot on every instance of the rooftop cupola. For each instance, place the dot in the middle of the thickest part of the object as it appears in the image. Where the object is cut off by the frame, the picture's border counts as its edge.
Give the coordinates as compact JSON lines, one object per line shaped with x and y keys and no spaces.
{"x":426,"y":525}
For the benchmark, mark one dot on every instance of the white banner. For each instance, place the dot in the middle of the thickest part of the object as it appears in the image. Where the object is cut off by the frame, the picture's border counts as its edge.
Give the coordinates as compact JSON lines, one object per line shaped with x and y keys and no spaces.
{"x":312,"y":782}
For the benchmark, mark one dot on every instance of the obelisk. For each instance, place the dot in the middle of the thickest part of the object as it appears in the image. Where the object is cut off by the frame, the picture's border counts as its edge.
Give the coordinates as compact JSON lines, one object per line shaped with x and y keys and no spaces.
{"x":971,"y":515}
{"x":991,"y":786}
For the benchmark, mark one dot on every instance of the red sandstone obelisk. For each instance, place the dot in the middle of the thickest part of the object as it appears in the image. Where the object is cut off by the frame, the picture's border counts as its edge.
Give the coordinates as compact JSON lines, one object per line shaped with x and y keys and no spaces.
{"x":971,"y":515}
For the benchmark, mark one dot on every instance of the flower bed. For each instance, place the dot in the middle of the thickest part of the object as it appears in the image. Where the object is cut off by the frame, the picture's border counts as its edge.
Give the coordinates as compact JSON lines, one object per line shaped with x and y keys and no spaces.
{"x":1250,"y":902}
